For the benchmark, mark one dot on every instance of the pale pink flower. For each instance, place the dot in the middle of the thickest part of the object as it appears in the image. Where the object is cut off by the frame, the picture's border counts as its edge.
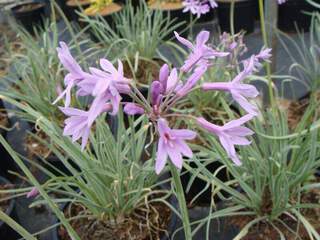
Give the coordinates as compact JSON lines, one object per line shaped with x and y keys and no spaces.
{"x":172,"y":143}
{"x":33,"y":193}
{"x":78,"y":125}
{"x":230,"y":134}
{"x":239,"y":91}
{"x":201,"y":53}
{"x":75,"y":75}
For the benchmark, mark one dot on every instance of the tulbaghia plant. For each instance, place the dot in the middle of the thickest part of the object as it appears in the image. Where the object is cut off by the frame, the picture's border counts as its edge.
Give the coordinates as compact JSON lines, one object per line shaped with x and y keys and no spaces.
{"x":108,"y":84}
{"x":139,"y":32}
{"x":271,"y":187}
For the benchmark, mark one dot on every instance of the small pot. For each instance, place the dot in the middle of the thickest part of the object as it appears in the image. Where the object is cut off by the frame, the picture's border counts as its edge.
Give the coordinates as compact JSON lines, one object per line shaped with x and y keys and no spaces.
{"x":174,"y":11}
{"x":6,"y":232}
{"x":74,"y":6}
{"x":29,"y":15}
{"x":244,"y":15}
{"x":291,"y":15}
{"x":172,"y":227}
{"x":6,"y":161}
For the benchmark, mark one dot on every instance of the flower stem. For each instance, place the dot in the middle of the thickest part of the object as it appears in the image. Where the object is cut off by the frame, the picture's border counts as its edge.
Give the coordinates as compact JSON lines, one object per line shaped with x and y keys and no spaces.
{"x":232,"y":17}
{"x":268,"y":65}
{"x":182,"y":202}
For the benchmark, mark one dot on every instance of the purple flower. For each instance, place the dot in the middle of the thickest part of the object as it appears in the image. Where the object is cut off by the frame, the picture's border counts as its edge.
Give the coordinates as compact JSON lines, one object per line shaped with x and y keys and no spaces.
{"x":133,"y":109}
{"x":110,"y":80}
{"x":78,"y":124}
{"x":192,"y":81}
{"x":239,"y":91}
{"x":168,"y":80}
{"x":230,"y":134}
{"x":198,"y":7}
{"x":33,"y":193}
{"x":201,"y":53}
{"x":75,"y":75}
{"x":172,"y":143}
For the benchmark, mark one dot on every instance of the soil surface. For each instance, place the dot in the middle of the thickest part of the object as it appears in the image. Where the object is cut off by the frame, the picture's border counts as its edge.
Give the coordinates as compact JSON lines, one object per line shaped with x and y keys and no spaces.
{"x":173,"y":5}
{"x":296,"y":109}
{"x":265,"y":231}
{"x":34,"y":147}
{"x":145,"y":69}
{"x":143,"y":224}
{"x":4,"y":205}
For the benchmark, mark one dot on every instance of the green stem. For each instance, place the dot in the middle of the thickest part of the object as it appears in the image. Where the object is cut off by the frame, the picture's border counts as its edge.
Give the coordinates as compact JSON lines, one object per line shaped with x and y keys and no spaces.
{"x":232,"y":17}
{"x":182,"y":202}
{"x":265,"y":39}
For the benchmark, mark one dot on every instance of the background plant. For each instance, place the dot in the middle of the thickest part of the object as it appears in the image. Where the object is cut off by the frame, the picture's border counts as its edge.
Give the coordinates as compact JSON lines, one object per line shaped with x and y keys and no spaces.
{"x":139,"y":31}
{"x":276,"y":172}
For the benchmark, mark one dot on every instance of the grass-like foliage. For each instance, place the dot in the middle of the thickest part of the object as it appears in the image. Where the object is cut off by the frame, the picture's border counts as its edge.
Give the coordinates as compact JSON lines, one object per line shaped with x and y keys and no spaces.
{"x":133,"y":31}
{"x":307,"y":52}
{"x":38,"y":75}
{"x":277,"y":171}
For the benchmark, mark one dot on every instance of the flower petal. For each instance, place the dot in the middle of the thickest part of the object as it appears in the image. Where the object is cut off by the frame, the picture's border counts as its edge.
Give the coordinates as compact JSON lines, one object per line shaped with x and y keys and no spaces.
{"x":161,"y":156}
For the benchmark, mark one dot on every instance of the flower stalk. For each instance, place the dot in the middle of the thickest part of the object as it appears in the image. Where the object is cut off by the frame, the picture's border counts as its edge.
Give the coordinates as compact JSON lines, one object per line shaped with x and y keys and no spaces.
{"x":268,"y":65}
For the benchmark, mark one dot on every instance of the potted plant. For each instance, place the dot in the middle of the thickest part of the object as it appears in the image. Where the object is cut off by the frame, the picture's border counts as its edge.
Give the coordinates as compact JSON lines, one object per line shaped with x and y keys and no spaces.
{"x":274,"y":188}
{"x":304,"y":56}
{"x":174,"y":10}
{"x":295,"y":14}
{"x":135,"y":41}
{"x":105,"y":9}
{"x":29,"y":14}
{"x":243,"y":18}
{"x":39,"y":75}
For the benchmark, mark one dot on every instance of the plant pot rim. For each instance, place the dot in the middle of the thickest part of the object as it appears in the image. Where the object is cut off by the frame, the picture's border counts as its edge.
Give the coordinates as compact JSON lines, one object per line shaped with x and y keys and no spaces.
{"x":76,"y":3}
{"x":105,"y":11}
{"x":166,"y":6}
{"x":16,"y":7}
{"x":3,"y":180}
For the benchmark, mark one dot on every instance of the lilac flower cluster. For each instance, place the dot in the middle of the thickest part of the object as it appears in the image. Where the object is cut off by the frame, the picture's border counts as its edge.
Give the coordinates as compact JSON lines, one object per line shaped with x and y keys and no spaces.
{"x":200,"y":7}
{"x":107,"y":85}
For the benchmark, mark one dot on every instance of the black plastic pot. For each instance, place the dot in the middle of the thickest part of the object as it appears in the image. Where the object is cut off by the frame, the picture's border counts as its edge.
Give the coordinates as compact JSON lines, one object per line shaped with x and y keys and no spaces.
{"x":172,"y":227}
{"x":6,"y":162}
{"x":198,"y":184}
{"x":6,"y":232}
{"x":29,"y":18}
{"x":244,"y":15}
{"x":292,"y":16}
